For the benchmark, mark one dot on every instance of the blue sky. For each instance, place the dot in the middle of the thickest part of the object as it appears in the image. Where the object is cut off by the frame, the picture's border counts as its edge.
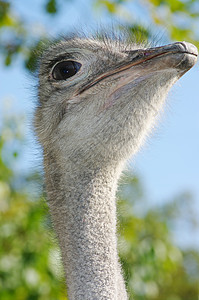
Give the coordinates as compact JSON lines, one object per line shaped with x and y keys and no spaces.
{"x":168,"y":163}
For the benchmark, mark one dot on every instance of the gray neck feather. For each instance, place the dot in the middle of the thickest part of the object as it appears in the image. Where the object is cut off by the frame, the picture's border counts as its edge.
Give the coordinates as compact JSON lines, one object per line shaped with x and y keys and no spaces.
{"x":83,"y":209}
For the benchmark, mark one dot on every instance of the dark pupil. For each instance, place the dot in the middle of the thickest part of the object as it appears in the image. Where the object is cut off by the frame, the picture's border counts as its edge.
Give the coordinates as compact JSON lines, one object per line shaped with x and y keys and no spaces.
{"x":65,"y":69}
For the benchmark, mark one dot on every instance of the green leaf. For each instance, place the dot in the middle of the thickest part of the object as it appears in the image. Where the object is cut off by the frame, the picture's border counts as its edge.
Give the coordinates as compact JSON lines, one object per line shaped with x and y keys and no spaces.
{"x":4,"y":8}
{"x":8,"y":60}
{"x":139,"y":33}
{"x":51,"y":7}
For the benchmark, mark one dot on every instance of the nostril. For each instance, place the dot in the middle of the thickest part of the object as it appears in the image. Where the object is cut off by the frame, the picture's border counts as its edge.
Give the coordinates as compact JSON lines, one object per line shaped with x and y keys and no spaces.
{"x":147,"y":53}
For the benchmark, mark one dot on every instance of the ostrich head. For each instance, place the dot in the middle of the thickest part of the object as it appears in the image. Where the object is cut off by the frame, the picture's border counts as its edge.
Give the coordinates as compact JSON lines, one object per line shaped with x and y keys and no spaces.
{"x":98,"y":98}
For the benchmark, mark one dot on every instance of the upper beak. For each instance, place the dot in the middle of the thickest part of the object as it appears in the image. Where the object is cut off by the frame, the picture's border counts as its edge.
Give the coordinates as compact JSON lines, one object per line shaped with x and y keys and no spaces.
{"x":175,"y":48}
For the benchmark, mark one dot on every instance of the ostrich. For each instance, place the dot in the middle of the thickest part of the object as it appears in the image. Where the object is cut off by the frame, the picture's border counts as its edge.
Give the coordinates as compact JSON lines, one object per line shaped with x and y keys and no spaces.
{"x":98,"y":99}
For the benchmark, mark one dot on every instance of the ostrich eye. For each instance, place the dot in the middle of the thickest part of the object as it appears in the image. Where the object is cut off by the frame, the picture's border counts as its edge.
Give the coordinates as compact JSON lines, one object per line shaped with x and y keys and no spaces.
{"x":65,"y":69}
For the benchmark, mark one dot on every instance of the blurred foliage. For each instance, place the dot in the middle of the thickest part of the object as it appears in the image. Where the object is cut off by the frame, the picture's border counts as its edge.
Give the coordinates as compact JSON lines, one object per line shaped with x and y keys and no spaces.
{"x":18,"y":37}
{"x":179,"y":18}
{"x":30,"y":269}
{"x":154,"y":267}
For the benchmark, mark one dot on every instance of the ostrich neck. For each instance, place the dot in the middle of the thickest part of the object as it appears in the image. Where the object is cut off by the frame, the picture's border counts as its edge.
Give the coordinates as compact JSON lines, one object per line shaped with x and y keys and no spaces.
{"x":83,"y":209}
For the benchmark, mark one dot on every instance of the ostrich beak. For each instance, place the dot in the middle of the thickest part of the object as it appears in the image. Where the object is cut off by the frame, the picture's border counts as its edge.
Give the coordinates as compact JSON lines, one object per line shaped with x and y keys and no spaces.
{"x":180,"y":55}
